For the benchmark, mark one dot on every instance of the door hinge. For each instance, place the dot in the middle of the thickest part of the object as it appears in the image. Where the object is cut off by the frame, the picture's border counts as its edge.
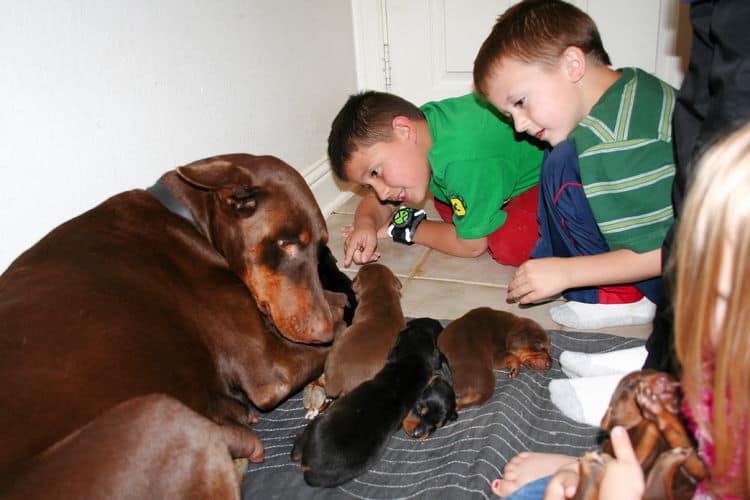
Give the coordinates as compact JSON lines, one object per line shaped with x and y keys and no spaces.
{"x":386,"y":47}
{"x":387,"y":66}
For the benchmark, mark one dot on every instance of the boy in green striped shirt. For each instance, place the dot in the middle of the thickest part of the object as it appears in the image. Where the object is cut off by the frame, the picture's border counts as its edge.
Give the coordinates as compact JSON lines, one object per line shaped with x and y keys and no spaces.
{"x":605,"y":191}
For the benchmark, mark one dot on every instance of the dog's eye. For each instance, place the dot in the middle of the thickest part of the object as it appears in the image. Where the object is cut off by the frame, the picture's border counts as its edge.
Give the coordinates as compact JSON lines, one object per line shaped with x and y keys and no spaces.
{"x":289,"y":247}
{"x":423,"y":410}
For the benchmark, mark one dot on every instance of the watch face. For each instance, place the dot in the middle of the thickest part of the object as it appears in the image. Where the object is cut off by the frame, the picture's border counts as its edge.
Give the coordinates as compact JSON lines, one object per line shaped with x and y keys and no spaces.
{"x":402,"y":217}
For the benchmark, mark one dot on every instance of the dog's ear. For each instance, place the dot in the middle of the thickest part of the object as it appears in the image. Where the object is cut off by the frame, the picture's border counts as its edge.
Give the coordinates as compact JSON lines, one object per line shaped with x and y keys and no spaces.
{"x":525,"y":332}
{"x":453,"y":415}
{"x":209,"y":174}
{"x":397,"y":283}
{"x":356,"y":284}
{"x":241,"y":199}
{"x":232,"y":185}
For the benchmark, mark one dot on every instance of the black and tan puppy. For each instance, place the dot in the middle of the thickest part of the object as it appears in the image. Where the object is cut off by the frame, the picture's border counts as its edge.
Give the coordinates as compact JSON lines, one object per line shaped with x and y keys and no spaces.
{"x":435,"y":407}
{"x":350,"y":436}
{"x":484,"y":340}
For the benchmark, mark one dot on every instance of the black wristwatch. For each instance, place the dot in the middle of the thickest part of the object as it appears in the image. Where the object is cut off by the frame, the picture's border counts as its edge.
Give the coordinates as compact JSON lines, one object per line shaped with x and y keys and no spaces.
{"x":404,"y":223}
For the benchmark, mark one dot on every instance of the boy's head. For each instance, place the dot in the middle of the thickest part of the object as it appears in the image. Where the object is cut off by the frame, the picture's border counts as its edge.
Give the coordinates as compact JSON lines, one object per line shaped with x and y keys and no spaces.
{"x":534,"y":60}
{"x":375,"y":141}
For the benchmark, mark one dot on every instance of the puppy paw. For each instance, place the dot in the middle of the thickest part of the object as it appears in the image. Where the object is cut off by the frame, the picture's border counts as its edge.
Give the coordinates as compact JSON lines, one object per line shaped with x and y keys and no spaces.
{"x":240,"y":468}
{"x":656,"y":394}
{"x":314,"y":399}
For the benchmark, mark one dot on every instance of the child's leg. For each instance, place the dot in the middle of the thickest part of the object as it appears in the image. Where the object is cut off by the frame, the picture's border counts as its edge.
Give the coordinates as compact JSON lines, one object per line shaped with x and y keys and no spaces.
{"x":511,"y":243}
{"x":570,"y":230}
{"x":531,"y":491}
{"x":445,"y":211}
{"x":527,"y":467}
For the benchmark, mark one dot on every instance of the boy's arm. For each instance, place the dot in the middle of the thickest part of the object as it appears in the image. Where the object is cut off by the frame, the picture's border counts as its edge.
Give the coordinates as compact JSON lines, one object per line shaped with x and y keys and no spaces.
{"x":538,"y":279}
{"x":362,"y":241}
{"x":443,"y":237}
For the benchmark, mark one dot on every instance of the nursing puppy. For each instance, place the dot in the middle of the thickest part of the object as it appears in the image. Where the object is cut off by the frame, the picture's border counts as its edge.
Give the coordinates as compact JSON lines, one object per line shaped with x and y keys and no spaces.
{"x":360,"y":351}
{"x":484,"y":340}
{"x":352,"y":434}
{"x":435,"y":407}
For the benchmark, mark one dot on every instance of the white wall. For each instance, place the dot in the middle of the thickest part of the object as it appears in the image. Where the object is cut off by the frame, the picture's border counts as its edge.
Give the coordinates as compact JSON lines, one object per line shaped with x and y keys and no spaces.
{"x":101,"y":96}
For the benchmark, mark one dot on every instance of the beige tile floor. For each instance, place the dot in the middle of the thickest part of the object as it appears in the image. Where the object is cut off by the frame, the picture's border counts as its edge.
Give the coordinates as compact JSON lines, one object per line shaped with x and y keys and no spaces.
{"x":445,"y":287}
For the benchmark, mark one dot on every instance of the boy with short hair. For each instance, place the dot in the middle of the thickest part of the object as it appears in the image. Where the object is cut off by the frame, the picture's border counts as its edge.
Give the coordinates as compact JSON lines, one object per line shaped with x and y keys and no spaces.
{"x":483,"y":179}
{"x":605,"y":202}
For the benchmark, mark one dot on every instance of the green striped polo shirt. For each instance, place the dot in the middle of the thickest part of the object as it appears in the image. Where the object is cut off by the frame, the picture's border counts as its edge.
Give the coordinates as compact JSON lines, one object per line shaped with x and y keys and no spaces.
{"x":626,"y":159}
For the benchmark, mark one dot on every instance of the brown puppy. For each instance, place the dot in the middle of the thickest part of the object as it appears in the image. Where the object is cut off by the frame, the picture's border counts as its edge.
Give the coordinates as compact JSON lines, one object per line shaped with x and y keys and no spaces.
{"x":484,"y":340}
{"x":624,"y":410}
{"x":647,"y":404}
{"x":361,"y":350}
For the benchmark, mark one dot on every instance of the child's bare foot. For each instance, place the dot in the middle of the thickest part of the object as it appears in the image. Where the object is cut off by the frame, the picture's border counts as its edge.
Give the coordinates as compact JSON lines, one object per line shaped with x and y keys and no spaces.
{"x":526,"y":467}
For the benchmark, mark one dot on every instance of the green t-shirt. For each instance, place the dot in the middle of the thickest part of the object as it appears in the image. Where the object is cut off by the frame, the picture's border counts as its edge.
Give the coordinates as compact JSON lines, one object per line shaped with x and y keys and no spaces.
{"x":626,"y":159}
{"x":477,"y":162}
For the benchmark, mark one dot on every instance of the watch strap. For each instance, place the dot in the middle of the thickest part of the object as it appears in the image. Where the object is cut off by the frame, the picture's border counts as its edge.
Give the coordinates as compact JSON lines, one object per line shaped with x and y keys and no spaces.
{"x":404,"y":234}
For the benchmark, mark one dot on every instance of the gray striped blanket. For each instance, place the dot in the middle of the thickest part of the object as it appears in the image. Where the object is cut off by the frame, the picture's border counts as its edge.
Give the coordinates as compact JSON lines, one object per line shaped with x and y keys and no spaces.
{"x":461,"y":459}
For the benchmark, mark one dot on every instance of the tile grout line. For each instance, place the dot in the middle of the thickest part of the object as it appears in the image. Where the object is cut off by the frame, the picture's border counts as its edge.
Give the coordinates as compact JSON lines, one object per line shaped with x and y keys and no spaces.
{"x":462,"y":282}
{"x":414,"y":270}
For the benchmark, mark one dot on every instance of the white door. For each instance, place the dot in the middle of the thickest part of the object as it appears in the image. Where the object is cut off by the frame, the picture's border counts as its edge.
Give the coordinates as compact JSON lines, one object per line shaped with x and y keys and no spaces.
{"x":424,"y":49}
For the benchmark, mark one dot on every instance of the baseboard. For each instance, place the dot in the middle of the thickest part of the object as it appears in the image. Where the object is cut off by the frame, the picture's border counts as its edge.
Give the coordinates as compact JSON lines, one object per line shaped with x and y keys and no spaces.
{"x":329,"y":192}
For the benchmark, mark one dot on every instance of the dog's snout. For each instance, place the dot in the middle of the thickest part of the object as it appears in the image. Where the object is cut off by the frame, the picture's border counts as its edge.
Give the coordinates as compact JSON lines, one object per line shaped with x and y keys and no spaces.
{"x":320,"y":328}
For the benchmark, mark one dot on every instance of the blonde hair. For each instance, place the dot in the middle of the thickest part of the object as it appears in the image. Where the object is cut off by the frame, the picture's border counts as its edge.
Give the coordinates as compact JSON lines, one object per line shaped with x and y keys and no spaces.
{"x":714,"y":228}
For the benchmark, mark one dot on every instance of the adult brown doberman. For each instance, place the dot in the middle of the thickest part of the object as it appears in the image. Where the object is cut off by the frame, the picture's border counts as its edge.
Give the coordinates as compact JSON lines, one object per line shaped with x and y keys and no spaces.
{"x":205,"y":289}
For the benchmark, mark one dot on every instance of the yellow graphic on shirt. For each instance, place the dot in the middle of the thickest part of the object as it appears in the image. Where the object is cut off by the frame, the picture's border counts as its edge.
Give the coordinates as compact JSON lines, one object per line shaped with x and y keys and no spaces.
{"x":459,"y":208}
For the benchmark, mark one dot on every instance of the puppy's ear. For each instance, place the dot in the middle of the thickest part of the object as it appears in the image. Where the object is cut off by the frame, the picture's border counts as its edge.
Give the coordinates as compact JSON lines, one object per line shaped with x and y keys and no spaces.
{"x":356,"y":284}
{"x":397,"y":283}
{"x":453,"y":415}
{"x":523,"y":333}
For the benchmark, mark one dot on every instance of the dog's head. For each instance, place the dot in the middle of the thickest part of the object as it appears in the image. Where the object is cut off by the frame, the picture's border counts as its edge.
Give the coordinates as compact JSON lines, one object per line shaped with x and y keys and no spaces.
{"x":530,"y":343}
{"x":418,"y":339}
{"x":374,"y":277}
{"x":623,"y":406}
{"x":435,"y":407}
{"x":259,"y":213}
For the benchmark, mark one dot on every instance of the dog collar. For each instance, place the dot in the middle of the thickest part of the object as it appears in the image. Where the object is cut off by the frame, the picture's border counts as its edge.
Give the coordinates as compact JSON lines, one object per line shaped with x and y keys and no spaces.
{"x":166,"y":198}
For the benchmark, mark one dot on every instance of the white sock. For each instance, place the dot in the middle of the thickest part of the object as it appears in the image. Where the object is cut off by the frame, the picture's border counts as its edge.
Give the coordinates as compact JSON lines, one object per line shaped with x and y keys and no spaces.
{"x":593,"y":316}
{"x":584,"y":399}
{"x":582,"y":364}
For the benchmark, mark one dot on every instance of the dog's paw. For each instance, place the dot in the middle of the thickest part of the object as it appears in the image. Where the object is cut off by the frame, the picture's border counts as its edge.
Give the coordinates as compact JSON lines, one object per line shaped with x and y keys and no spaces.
{"x":240,"y":468}
{"x":656,"y":394}
{"x":314,"y":399}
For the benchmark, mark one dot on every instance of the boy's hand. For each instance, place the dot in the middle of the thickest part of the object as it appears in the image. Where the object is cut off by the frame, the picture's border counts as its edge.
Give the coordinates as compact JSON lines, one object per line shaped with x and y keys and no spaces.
{"x":537,"y":279}
{"x":360,"y":244}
